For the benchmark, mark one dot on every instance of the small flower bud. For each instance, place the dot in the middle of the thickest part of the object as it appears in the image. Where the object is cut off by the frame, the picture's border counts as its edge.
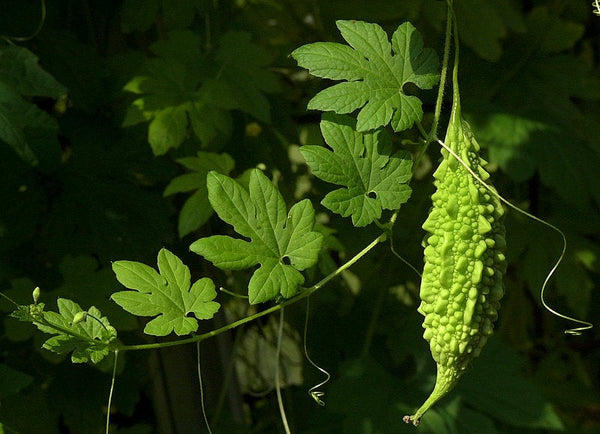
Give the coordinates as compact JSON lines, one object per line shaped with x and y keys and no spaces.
{"x":36,"y":294}
{"x":79,"y":317}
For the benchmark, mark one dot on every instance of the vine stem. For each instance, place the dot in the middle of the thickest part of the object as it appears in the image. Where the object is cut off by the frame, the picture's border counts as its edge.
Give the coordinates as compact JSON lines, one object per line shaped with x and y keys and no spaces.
{"x":9,"y":299}
{"x":202,"y":405}
{"x":36,"y":32}
{"x":268,"y":311}
{"x":432,"y":136}
{"x":284,"y":420}
{"x":111,"y":392}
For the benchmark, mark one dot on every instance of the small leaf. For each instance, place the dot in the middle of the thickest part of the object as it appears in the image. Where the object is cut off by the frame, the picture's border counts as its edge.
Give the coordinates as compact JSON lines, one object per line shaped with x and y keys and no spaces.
{"x":168,"y":129}
{"x":87,"y":338}
{"x":180,"y":88}
{"x":167,"y":295}
{"x":550,"y":32}
{"x":376,"y":73}
{"x":374,"y":178}
{"x":173,"y":87}
{"x":282,"y":245}
{"x":20,"y":68}
{"x":197,"y":209}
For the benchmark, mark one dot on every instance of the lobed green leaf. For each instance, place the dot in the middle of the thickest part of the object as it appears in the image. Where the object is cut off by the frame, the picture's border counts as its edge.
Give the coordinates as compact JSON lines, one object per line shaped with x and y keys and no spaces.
{"x":374,"y":178}
{"x":376,"y":73}
{"x":88,"y":339}
{"x":167,"y":295}
{"x":282,"y":244}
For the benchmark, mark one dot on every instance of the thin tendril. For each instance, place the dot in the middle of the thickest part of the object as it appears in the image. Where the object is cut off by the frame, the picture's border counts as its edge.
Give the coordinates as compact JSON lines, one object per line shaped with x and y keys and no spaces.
{"x":313,"y":391}
{"x":110,"y":393}
{"x":411,"y":266}
{"x":233,"y":294}
{"x":389,"y":227}
{"x":9,"y":299}
{"x":277,"y":382}
{"x":202,"y":406}
{"x":35,"y":33}
{"x":576,"y":331}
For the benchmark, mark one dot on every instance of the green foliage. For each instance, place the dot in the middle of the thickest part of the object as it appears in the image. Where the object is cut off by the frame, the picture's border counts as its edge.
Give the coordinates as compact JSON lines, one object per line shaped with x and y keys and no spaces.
{"x":87,"y":334}
{"x":181,"y":87}
{"x":483,"y":24}
{"x":375,"y":78}
{"x":374,"y":178}
{"x":212,"y":86}
{"x":282,"y":243}
{"x":197,"y":210}
{"x":168,"y":295}
{"x":21,"y":121}
{"x":528,"y":136}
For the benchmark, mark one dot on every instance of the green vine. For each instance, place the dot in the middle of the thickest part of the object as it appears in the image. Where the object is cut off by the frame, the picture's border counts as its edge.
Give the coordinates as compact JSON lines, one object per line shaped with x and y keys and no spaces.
{"x":196,"y":84}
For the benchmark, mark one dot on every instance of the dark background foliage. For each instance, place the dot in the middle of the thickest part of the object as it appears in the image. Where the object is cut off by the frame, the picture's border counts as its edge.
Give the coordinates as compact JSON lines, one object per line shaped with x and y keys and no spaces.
{"x":87,"y":150}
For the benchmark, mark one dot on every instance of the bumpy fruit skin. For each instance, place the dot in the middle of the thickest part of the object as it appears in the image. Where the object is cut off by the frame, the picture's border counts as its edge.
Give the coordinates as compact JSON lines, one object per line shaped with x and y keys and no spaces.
{"x":461,"y":285}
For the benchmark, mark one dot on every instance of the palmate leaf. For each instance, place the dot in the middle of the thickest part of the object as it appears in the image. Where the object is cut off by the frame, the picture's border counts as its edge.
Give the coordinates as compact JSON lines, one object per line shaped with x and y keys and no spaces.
{"x":282,"y":244}
{"x":88,"y":339}
{"x":182,"y":87}
{"x":375,"y":78}
{"x":196,"y":209}
{"x":175,"y":90}
{"x":374,"y":179}
{"x":167,"y":295}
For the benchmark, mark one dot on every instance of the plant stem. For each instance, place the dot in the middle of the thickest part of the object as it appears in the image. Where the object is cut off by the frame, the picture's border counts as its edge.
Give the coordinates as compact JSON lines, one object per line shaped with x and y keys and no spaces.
{"x":432,"y":136}
{"x":284,"y":420}
{"x":202,"y":406}
{"x":9,"y":299}
{"x":272,"y":309}
{"x":111,"y":392}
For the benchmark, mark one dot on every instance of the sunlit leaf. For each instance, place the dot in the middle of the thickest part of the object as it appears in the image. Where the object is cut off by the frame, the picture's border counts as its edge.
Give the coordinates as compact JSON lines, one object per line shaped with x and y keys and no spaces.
{"x":282,"y":243}
{"x":87,"y":334}
{"x":373,"y":177}
{"x":375,"y":73}
{"x":167,"y":295}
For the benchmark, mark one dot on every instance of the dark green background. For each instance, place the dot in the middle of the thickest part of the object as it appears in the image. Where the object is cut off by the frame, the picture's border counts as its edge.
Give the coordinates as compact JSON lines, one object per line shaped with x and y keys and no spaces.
{"x":531,"y":90}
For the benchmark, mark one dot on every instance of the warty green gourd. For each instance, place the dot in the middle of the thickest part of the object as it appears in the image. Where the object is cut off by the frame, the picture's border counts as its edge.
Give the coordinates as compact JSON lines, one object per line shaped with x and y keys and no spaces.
{"x":461,"y":285}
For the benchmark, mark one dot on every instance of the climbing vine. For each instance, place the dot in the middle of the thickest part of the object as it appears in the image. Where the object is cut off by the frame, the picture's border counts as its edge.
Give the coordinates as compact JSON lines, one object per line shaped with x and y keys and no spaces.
{"x":278,"y":169}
